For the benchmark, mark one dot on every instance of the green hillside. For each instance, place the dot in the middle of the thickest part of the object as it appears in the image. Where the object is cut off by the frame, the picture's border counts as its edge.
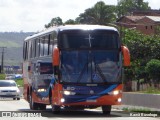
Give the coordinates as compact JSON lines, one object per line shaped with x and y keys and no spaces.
{"x":9,"y":44}
{"x":14,"y":43}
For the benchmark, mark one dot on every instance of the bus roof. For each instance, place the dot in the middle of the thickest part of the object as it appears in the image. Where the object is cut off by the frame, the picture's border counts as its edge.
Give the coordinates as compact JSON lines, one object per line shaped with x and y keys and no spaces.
{"x":72,"y":27}
{"x":86,"y":27}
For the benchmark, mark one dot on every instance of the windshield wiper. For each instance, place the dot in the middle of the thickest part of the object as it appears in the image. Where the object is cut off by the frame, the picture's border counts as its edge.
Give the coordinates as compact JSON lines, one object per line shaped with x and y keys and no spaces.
{"x":101,"y":73}
{"x":82,"y":72}
{"x":67,"y":74}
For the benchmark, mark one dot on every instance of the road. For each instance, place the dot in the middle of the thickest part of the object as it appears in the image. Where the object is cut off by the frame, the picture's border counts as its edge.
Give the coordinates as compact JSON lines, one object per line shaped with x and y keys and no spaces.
{"x":22,"y":107}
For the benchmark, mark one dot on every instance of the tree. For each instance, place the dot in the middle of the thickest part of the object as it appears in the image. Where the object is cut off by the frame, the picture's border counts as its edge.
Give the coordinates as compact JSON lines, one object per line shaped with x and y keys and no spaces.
{"x":70,"y":21}
{"x":99,"y":14}
{"x":54,"y":22}
{"x":125,"y":7}
{"x":142,"y":48}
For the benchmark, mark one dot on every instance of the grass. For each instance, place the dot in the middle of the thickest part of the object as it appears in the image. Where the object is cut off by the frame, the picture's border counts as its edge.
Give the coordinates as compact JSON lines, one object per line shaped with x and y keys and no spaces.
{"x":151,"y":90}
{"x":19,"y":82}
{"x":9,"y":44}
{"x":2,"y":76}
{"x":136,"y":109}
{"x":140,"y":110}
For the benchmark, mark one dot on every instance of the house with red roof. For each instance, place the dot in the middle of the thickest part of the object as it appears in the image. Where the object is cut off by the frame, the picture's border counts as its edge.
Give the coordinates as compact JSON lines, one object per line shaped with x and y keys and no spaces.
{"x":143,"y":23}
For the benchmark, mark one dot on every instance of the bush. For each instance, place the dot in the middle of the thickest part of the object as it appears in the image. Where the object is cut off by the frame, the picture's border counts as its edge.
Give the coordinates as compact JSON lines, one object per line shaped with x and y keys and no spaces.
{"x":153,"y":69}
{"x":2,"y":76}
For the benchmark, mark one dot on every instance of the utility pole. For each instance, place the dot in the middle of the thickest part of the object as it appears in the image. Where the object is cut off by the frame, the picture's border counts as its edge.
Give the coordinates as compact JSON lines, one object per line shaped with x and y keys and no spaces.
{"x":2,"y":59}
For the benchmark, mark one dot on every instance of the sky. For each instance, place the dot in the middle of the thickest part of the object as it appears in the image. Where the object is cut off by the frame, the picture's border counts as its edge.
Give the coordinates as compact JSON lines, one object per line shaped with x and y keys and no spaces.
{"x":32,"y":15}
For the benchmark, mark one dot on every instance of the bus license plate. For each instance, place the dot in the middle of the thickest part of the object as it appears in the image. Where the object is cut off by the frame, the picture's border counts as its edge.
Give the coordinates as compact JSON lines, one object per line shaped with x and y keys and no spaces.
{"x":91,"y":101}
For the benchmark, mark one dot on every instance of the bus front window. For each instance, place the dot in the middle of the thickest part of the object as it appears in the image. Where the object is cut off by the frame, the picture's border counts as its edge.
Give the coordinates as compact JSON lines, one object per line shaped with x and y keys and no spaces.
{"x":90,"y":57}
{"x":88,"y":40}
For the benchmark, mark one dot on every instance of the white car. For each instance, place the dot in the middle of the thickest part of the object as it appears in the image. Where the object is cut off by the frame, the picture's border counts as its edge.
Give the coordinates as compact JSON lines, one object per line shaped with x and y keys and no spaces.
{"x":9,"y":89}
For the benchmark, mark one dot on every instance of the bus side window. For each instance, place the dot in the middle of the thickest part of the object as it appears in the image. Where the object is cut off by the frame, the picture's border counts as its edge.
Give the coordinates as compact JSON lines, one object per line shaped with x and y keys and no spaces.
{"x":49,"y":38}
{"x":45,"y":43}
{"x":51,"y":43}
{"x":41,"y":46}
{"x":37,"y":47}
{"x":31,"y":50}
{"x":26,"y":51}
{"x":34,"y":48}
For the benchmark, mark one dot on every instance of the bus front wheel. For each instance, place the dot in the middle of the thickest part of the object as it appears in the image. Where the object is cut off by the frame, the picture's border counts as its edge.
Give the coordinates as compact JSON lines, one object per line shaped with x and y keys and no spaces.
{"x":106,"y":109}
{"x":56,"y":109}
{"x":42,"y":106}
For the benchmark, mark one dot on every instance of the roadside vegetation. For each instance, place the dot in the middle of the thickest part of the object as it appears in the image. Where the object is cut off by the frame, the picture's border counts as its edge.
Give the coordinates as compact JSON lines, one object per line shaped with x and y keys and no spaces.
{"x":19,"y":81}
{"x":151,"y":90}
{"x":127,"y":109}
{"x":140,"y":110}
{"x":145,"y":59}
{"x":2,"y":76}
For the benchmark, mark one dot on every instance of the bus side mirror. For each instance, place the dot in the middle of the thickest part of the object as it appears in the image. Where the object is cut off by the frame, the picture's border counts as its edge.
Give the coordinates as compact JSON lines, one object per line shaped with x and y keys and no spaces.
{"x":126,"y":56}
{"x":55,"y":60}
{"x":55,"y":56}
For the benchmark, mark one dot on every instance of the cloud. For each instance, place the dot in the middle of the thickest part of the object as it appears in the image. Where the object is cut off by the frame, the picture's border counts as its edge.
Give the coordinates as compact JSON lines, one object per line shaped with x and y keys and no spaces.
{"x":17,"y":15}
{"x":32,"y":15}
{"x":155,"y":4}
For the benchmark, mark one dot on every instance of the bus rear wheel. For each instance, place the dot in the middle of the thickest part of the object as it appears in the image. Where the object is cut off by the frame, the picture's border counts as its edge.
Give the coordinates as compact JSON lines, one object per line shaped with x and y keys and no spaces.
{"x":106,"y":109}
{"x":32,"y":104}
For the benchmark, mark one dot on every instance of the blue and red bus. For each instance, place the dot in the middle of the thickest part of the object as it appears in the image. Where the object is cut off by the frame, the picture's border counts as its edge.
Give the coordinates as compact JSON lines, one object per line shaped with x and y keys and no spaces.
{"x":74,"y":66}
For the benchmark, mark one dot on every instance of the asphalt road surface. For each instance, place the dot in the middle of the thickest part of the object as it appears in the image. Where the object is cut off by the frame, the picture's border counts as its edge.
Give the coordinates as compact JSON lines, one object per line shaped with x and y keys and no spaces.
{"x":19,"y":110}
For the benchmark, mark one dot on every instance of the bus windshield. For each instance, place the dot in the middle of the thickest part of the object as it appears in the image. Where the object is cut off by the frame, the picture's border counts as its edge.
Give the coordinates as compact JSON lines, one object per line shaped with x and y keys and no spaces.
{"x":98,"y":66}
{"x":94,"y":40}
{"x":90,"y":57}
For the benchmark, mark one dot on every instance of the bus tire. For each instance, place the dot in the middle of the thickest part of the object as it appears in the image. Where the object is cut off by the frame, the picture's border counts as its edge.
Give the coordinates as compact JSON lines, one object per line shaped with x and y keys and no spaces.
{"x":106,"y":109}
{"x":42,"y":106}
{"x":55,"y":109}
{"x":32,"y":104}
{"x":18,"y":98}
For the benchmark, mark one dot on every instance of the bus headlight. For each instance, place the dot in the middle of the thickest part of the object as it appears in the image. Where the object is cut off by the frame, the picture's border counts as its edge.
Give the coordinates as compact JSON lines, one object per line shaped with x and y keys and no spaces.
{"x":116,"y":92}
{"x":119,"y":100}
{"x":42,"y":90}
{"x":62,"y":100}
{"x":68,"y":92}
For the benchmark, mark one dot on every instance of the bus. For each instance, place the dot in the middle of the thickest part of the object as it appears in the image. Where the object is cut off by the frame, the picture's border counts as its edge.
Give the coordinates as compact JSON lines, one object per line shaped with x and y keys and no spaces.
{"x":74,"y":66}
